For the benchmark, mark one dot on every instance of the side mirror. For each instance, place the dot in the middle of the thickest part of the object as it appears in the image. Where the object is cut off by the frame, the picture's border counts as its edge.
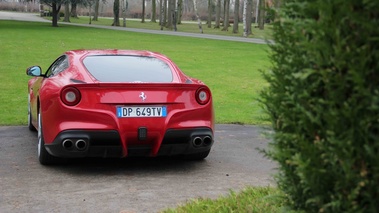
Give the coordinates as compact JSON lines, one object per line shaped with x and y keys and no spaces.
{"x":34,"y":71}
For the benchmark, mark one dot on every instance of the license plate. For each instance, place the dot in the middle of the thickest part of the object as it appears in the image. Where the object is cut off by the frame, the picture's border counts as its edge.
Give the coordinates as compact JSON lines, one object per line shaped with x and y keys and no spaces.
{"x":141,"y":111}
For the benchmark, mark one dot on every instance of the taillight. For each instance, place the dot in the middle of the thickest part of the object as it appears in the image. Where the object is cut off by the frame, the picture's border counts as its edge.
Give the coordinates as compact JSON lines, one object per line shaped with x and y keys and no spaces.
{"x":70,"y":96}
{"x":203,"y":95}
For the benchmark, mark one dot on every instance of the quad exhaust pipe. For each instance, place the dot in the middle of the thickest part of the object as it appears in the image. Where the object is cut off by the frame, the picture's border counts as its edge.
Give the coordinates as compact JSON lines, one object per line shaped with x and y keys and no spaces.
{"x":79,"y":144}
{"x":202,"y":141}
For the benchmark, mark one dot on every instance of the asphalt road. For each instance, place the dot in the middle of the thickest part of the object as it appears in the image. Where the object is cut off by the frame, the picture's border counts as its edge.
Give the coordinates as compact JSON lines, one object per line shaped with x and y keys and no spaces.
{"x":35,"y":18}
{"x":128,"y":185}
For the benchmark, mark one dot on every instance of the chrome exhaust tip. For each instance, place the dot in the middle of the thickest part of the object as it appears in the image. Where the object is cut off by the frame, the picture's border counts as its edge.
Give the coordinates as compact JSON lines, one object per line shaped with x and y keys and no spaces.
{"x":207,"y":140}
{"x":81,"y":144}
{"x":197,"y":141}
{"x":67,"y":144}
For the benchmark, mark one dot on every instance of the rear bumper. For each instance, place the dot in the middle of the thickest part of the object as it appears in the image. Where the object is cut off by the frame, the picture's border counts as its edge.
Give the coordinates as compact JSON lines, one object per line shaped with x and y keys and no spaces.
{"x":108,"y":143}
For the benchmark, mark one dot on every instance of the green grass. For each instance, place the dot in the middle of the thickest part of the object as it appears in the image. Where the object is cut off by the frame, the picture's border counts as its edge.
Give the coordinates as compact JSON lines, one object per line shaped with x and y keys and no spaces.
{"x":230,"y":69}
{"x":257,"y":199}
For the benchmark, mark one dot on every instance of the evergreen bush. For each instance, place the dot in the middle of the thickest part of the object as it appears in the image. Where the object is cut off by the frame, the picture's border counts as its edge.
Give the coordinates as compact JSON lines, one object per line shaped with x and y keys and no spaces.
{"x":323,"y":103}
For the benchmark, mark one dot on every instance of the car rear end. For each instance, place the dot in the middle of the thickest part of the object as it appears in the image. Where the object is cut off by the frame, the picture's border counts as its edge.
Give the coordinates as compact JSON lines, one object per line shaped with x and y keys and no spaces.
{"x":144,"y":110}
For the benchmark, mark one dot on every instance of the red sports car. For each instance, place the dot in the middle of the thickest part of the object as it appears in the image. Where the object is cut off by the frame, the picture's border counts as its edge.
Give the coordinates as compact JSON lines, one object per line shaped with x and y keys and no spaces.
{"x":118,"y":103}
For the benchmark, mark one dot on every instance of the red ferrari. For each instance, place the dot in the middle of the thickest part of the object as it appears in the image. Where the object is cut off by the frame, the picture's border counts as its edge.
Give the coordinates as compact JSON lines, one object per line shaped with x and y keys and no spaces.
{"x":118,"y":103}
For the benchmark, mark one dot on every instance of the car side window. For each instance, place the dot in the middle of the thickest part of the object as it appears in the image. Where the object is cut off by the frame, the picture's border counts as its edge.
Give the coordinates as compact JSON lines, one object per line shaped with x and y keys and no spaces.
{"x":58,"y":66}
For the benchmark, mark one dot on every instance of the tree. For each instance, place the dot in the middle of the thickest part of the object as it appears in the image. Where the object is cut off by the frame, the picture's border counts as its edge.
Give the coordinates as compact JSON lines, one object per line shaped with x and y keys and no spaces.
{"x":236,"y":15}
{"x":66,"y":12}
{"x":226,"y":15}
{"x":96,"y":13}
{"x":154,"y":11}
{"x":55,"y":6}
{"x":322,"y":101}
{"x":209,"y":21}
{"x":116,"y":13}
{"x":197,"y":16}
{"x":170,"y":12}
{"x":247,"y":17}
{"x":143,"y":11}
{"x":218,"y":14}
{"x":179,"y":11}
{"x":261,"y":14}
{"x":74,"y":13}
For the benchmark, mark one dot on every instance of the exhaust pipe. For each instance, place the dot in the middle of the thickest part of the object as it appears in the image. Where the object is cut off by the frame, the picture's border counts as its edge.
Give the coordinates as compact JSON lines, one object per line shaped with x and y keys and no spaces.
{"x":197,"y":141}
{"x":81,"y":144}
{"x":207,"y":140}
{"x":67,"y":144}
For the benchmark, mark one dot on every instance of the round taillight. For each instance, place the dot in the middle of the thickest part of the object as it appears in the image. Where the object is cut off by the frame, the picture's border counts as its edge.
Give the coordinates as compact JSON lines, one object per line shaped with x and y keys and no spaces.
{"x":203,"y":95}
{"x":70,"y":96}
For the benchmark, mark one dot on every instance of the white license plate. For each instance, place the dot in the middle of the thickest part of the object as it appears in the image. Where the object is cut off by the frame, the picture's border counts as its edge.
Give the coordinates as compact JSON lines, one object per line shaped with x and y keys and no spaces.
{"x":141,"y":111}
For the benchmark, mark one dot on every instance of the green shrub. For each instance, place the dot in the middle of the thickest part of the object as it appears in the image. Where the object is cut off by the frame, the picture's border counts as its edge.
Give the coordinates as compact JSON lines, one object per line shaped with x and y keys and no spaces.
{"x":323,"y":103}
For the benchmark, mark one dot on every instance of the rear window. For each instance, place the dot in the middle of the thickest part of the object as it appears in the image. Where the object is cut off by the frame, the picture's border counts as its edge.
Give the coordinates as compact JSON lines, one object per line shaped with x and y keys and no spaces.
{"x":126,"y":68}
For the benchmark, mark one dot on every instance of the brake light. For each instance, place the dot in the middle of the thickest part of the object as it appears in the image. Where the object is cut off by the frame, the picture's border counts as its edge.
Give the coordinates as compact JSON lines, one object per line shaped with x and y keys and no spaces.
{"x":203,"y":95}
{"x":70,"y":96}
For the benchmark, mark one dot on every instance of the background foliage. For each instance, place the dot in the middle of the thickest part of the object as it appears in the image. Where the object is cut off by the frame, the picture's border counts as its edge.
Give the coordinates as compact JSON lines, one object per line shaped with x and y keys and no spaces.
{"x":323,"y":102}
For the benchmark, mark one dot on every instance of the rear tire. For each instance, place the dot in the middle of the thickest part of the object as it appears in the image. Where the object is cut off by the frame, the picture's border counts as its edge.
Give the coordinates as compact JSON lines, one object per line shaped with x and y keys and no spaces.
{"x":43,"y":156}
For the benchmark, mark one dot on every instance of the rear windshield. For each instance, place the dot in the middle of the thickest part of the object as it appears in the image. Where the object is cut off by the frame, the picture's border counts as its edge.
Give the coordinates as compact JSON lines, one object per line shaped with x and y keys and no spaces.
{"x":126,"y":68}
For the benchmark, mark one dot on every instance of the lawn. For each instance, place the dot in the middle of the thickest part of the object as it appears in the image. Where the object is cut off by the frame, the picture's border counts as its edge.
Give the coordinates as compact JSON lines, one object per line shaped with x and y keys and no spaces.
{"x":230,"y":69}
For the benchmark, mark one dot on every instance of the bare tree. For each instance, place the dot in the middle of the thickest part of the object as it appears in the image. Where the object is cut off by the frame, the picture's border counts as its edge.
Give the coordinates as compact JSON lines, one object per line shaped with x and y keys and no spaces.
{"x":74,"y":4}
{"x":197,"y":16}
{"x":154,"y":11}
{"x":179,"y":8}
{"x":218,"y":14}
{"x":116,"y":13}
{"x":209,"y":21}
{"x":261,"y":15}
{"x":143,"y":11}
{"x":236,"y":15}
{"x":170,"y":14}
{"x":226,"y":15}
{"x":96,"y":13}
{"x":124,"y":7}
{"x":66,"y":12}
{"x":247,"y":4}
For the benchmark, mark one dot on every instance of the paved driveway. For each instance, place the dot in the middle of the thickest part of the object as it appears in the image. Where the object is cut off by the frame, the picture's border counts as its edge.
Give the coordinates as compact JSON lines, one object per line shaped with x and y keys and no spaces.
{"x":130,"y":185}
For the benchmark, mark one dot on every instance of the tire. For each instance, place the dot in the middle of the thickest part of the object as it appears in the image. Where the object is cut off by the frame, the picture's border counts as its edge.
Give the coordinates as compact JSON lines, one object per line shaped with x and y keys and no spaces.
{"x":30,"y":125}
{"x":197,"y":156}
{"x":43,"y":156}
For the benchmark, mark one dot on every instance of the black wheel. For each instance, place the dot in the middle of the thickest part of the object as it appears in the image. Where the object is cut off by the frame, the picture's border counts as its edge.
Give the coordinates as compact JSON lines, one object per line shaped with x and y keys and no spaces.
{"x":30,"y":125}
{"x":43,"y":156}
{"x":197,"y":156}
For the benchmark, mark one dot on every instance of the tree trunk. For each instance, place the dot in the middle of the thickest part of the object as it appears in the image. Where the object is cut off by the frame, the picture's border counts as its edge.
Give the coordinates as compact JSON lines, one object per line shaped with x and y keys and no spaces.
{"x":244,"y":18}
{"x":66,"y":13}
{"x":236,"y":15}
{"x":170,"y":14}
{"x":218,"y":14}
{"x":154,"y":11}
{"x":96,"y":15}
{"x":124,"y":6}
{"x":261,"y":16}
{"x":209,"y":21}
{"x":116,"y":13}
{"x":249,"y":9}
{"x":226,"y":16}
{"x":161,"y":14}
{"x":143,"y":11}
{"x":197,"y":16}
{"x":179,"y":12}
{"x":74,"y":14}
{"x":55,"y":14}
{"x":165,"y":12}
{"x":249,"y":16}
